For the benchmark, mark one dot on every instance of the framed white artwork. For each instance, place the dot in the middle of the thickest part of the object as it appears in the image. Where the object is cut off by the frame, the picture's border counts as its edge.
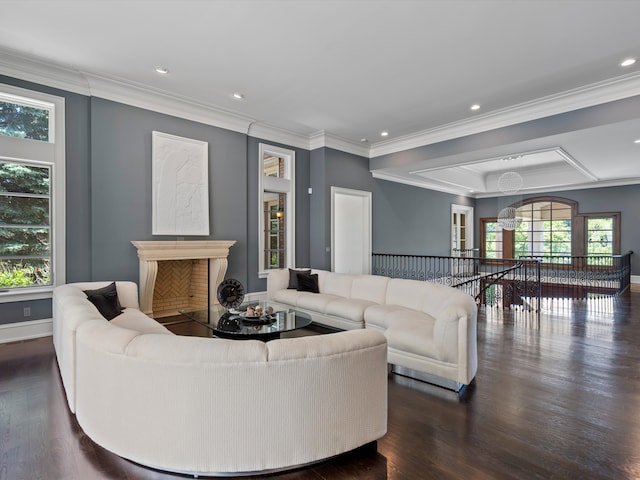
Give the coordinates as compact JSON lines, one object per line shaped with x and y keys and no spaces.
{"x":180,"y":185}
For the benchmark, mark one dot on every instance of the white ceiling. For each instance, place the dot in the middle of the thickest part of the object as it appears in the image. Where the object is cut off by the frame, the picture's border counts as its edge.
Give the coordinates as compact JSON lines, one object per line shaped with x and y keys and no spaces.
{"x":335,"y":72}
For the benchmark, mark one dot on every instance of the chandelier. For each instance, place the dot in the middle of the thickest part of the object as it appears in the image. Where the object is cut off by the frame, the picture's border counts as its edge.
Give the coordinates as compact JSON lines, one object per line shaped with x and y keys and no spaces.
{"x":507,"y":218}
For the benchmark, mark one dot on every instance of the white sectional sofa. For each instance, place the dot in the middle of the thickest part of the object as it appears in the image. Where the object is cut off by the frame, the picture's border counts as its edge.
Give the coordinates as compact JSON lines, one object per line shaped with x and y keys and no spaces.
{"x":205,"y":406}
{"x":430,"y":328}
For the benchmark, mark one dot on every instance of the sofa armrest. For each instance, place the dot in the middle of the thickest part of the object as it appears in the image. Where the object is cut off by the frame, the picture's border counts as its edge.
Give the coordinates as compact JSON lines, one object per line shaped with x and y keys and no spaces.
{"x":455,"y":335}
{"x":277,"y":280}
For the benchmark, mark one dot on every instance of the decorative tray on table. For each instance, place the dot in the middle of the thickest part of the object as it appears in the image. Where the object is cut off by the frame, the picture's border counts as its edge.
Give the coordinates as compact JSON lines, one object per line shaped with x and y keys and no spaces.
{"x":257,"y":315}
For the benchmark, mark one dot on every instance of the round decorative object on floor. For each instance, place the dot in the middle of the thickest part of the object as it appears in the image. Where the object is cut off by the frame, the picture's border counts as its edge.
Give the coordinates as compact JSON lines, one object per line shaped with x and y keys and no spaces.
{"x":230,"y":293}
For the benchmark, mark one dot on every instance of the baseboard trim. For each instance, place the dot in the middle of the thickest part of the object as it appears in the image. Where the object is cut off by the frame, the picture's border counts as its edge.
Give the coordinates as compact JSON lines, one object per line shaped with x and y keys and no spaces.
{"x":15,"y":332}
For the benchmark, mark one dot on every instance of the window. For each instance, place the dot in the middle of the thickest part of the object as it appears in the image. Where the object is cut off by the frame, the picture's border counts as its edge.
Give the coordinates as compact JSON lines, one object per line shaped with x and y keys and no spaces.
{"x":551,"y":228}
{"x":31,"y":194}
{"x":276,"y":220}
{"x":492,"y":239}
{"x":25,"y":201}
{"x":600,"y":235}
{"x":545,"y":229}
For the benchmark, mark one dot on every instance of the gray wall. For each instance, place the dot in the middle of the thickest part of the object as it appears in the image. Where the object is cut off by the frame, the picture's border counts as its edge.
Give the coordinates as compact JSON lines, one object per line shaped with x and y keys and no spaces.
{"x":412,"y":220}
{"x":405,"y":219}
{"x":121,"y":186}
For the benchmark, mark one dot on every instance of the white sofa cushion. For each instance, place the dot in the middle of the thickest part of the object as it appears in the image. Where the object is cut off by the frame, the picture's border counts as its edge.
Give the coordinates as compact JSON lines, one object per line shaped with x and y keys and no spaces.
{"x":351,"y":309}
{"x":136,"y":320}
{"x":315,"y":301}
{"x":278,"y":281}
{"x":337,"y":284}
{"x":382,"y":316}
{"x":290,"y":297}
{"x":406,"y":293}
{"x":369,"y":287}
{"x":196,"y":350}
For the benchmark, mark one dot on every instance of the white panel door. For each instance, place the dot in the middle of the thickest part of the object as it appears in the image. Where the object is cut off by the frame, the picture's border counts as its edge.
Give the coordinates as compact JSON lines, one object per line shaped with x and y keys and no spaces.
{"x":350,"y":231}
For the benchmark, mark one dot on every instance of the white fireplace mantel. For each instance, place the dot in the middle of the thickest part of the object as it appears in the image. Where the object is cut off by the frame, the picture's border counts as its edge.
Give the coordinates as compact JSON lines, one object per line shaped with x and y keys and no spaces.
{"x":152,"y":251}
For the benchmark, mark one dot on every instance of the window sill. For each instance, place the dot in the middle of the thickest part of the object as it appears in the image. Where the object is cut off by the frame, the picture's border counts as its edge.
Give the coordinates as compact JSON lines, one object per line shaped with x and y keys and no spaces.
{"x":25,"y":294}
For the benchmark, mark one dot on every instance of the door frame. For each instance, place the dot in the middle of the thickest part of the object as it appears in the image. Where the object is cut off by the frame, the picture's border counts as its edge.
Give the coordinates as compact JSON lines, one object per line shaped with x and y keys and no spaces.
{"x":468,"y":211}
{"x":335,"y":191}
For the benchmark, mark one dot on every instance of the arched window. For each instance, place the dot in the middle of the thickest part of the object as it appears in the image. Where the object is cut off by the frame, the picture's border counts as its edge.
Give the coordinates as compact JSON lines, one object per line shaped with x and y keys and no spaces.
{"x":552,"y":229}
{"x":545,"y":228}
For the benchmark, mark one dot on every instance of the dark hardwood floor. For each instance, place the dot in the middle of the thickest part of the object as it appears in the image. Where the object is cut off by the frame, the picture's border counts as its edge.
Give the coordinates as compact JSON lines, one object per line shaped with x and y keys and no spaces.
{"x":557,"y":395}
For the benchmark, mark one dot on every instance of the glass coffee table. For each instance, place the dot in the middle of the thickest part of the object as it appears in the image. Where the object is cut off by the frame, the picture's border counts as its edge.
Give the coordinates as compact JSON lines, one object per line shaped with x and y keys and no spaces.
{"x":235,"y":325}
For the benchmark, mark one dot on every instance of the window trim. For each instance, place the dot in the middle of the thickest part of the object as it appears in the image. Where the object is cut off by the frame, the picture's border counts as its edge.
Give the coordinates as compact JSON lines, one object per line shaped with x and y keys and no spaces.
{"x":616,"y":216}
{"x":276,"y":185}
{"x":22,"y":151}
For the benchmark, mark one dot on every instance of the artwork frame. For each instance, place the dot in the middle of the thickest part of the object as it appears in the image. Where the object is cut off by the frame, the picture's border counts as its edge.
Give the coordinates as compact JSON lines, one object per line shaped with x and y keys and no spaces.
{"x":180,"y":185}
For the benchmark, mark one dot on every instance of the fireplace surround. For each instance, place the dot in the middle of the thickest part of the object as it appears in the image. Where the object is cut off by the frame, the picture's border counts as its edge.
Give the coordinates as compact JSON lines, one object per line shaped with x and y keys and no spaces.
{"x":150,"y":253}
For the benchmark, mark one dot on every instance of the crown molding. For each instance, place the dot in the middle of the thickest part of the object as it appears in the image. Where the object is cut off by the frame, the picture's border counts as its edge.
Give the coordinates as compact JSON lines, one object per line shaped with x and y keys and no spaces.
{"x":278,"y":135}
{"x":86,"y":83}
{"x":449,"y":188}
{"x":620,"y":182}
{"x":44,"y":73}
{"x":418,"y":183}
{"x":323,"y":139}
{"x":583,"y":97}
{"x":162,"y":102}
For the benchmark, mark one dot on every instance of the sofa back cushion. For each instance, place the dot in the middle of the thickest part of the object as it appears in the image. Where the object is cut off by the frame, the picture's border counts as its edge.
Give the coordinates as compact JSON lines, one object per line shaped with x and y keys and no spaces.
{"x":407,"y":293}
{"x":335,"y":283}
{"x":436,"y":297}
{"x":196,"y":351}
{"x":372,"y":288}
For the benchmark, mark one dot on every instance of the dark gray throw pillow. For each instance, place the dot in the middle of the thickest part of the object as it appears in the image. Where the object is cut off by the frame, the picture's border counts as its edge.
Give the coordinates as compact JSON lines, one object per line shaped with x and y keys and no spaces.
{"x":106,"y":300}
{"x":308,"y":282}
{"x":293,"y":277}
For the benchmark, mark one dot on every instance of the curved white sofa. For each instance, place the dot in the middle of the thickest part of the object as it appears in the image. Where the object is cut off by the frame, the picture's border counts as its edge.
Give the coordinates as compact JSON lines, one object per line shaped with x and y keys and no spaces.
{"x":206,"y":406}
{"x":430,"y":328}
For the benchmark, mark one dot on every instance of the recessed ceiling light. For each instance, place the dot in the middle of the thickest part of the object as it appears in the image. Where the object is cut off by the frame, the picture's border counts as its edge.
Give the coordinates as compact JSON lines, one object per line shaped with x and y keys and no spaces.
{"x":162,"y":70}
{"x":238,"y":96}
{"x":363,"y":140}
{"x":636,"y":141}
{"x":627,"y":62}
{"x":384,"y":133}
{"x":475,"y":106}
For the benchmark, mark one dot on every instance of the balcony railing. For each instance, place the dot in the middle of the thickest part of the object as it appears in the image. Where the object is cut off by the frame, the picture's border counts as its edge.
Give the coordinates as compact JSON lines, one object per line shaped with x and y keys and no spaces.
{"x":583,"y":277}
{"x":521,"y":282}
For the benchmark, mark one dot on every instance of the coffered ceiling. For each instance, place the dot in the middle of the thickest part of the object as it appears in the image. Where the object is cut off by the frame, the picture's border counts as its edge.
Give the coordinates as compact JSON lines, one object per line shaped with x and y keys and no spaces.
{"x":338,"y":73}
